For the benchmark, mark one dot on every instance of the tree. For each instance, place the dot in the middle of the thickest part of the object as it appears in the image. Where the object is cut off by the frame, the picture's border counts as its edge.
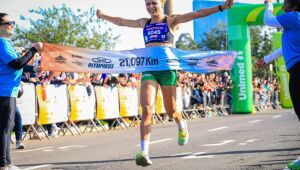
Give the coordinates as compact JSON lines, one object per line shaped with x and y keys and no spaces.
{"x":64,"y":26}
{"x":215,"y":39}
{"x":185,"y":42}
{"x":261,"y":45}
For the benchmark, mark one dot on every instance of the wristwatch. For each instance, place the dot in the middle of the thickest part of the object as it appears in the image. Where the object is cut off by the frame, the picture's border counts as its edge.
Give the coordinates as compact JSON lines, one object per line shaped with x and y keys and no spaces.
{"x":220,"y":8}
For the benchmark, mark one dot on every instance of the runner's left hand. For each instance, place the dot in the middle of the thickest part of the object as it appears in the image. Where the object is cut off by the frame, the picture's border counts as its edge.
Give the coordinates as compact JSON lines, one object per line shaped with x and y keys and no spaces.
{"x":268,"y":1}
{"x":99,"y":13}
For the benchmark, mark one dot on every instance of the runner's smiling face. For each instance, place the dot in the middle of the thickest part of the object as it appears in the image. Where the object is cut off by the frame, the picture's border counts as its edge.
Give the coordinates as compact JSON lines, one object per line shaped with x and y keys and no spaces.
{"x":154,"y":7}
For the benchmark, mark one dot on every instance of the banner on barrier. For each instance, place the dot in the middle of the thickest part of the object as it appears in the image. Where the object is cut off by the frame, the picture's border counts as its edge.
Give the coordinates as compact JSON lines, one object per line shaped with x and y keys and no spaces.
{"x":160,"y":108}
{"x":27,"y":104}
{"x":53,"y":103}
{"x":82,"y":101}
{"x":159,"y":105}
{"x":107,"y":99}
{"x":179,"y":100}
{"x":128,"y":98}
{"x":73,"y":59}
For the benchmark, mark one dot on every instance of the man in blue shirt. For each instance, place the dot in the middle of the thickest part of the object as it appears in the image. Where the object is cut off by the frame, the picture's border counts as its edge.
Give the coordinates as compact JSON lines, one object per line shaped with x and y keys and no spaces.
{"x":11,"y":64}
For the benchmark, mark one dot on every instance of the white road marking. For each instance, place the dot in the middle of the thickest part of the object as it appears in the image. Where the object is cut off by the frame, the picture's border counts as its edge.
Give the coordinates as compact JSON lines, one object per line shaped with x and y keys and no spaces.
{"x":252,"y":140}
{"x":37,"y":167}
{"x":182,"y":154}
{"x":158,"y":141}
{"x":49,"y":147}
{"x":48,"y":150}
{"x":65,"y":150}
{"x":72,"y":146}
{"x":277,"y":116}
{"x":254,"y":121}
{"x":242,"y":143}
{"x":198,"y":156}
{"x":219,"y":144}
{"x":220,"y":128}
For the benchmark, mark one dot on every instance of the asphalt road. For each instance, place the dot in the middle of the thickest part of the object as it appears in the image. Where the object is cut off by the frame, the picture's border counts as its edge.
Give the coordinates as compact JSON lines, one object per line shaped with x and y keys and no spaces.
{"x":261,"y":141}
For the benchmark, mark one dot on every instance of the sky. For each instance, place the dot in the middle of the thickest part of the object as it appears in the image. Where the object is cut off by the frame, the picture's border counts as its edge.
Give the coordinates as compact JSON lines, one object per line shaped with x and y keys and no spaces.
{"x":130,"y":38}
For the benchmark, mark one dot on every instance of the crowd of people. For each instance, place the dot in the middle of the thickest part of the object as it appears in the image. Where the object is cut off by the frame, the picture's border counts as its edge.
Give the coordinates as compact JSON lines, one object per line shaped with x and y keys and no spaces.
{"x":266,"y":93}
{"x":205,"y":90}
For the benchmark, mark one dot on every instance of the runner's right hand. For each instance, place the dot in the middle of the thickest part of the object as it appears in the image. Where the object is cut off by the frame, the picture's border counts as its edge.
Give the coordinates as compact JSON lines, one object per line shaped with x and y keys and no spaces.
{"x":38,"y":46}
{"x":230,"y":4}
{"x":227,"y":4}
{"x":260,"y":63}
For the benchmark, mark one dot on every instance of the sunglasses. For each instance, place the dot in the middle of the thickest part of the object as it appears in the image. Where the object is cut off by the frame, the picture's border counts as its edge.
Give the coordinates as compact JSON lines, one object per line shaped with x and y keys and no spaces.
{"x":10,"y":23}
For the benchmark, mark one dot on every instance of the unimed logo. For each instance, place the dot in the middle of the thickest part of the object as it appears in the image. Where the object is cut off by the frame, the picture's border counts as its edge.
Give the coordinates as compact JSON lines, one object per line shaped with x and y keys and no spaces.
{"x":242,"y":76}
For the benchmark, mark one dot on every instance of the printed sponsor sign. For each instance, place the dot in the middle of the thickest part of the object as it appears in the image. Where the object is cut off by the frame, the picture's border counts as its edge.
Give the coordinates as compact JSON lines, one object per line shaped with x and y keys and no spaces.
{"x":82,"y":103}
{"x":53,"y":103}
{"x":27,"y":104}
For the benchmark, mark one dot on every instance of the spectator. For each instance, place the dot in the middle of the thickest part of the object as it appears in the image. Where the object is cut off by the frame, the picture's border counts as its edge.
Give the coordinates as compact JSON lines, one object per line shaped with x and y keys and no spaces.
{"x":196,"y":97}
{"x":135,"y":80}
{"x":11,"y":65}
{"x":123,"y":80}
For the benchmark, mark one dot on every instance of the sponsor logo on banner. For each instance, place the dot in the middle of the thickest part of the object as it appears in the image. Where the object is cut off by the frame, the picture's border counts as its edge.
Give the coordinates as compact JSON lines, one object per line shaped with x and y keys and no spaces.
{"x":102,"y":63}
{"x":77,"y":63}
{"x":60,"y":59}
{"x":77,"y":56}
{"x":173,"y":60}
{"x":212,"y":63}
{"x":192,"y":62}
{"x":101,"y":60}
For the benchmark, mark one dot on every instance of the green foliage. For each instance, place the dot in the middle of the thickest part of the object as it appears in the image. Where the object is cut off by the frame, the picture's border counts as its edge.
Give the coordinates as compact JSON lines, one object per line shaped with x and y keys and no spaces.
{"x":186,"y":42}
{"x":61,"y":25}
{"x":215,"y":39}
{"x":261,"y":45}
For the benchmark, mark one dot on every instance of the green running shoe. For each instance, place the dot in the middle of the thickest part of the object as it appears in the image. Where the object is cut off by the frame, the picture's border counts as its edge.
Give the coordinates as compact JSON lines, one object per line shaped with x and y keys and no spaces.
{"x":142,"y":159}
{"x":294,"y":165}
{"x":183,"y":135}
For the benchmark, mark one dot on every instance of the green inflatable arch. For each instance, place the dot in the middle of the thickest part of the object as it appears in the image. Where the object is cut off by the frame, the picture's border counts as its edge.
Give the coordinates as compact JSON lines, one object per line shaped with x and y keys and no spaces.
{"x":283,"y":75}
{"x":239,"y":18}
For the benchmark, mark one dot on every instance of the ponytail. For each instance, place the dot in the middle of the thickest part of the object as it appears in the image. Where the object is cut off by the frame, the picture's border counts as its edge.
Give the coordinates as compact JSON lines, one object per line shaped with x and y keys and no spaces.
{"x":1,"y":16}
{"x":295,"y":5}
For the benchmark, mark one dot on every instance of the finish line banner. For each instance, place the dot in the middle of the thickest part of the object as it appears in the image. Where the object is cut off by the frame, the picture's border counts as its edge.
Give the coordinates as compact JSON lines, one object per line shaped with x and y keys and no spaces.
{"x":73,"y":59}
